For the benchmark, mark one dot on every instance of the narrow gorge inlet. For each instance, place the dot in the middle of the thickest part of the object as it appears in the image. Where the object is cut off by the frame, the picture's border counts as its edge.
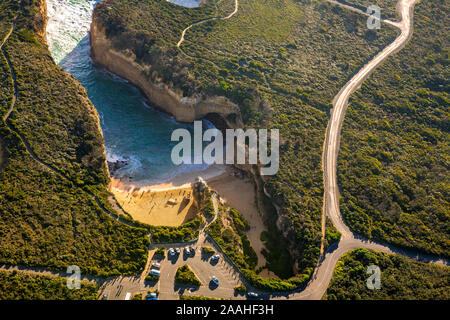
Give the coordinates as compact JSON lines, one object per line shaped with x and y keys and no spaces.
{"x":309,"y":161}
{"x":137,"y":136}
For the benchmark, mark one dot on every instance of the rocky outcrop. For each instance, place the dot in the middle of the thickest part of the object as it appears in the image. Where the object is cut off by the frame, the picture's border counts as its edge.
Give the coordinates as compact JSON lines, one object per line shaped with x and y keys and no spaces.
{"x":40,"y":21}
{"x":168,"y":99}
{"x":220,"y":110}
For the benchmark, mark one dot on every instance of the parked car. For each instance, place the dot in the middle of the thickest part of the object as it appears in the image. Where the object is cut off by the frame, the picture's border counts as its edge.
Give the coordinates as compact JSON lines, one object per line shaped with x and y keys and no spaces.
{"x":192,"y":250}
{"x":156,"y":266}
{"x":215,"y":280}
{"x":187,"y":251}
{"x":152,"y":296}
{"x":252,"y":295}
{"x":155,"y":272}
{"x":105,"y":296}
{"x":171,"y":252}
{"x":177,"y":250}
{"x":215,"y":258}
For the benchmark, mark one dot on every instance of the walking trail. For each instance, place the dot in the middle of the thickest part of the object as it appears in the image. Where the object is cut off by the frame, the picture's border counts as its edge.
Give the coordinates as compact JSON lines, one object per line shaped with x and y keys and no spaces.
{"x":349,"y":241}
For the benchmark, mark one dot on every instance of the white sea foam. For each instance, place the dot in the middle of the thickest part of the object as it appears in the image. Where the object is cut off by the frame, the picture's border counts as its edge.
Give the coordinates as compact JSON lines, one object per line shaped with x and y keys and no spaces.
{"x":187,"y":3}
{"x":68,"y":23}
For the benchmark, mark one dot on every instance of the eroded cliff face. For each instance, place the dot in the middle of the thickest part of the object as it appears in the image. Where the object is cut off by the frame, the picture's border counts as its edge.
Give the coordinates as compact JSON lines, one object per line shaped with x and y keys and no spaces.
{"x":168,"y":99}
{"x":40,"y":26}
{"x":218,"y":109}
{"x":40,"y":21}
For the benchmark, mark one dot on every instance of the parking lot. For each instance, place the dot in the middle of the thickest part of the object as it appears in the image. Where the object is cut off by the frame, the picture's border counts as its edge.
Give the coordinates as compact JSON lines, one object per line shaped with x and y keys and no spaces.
{"x":204,"y":269}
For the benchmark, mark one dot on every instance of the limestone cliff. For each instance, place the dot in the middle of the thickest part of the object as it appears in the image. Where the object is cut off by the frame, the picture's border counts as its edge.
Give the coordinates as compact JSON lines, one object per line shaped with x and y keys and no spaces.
{"x":40,"y":21}
{"x":218,"y":109}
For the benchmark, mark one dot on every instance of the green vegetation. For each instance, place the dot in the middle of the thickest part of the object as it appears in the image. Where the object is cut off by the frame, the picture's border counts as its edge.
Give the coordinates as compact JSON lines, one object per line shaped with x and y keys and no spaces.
{"x":233,"y":240}
{"x":47,"y":219}
{"x":331,"y":233}
{"x":208,"y":210}
{"x":208,"y":251}
{"x":137,"y":296}
{"x":401,"y":278}
{"x":275,"y":251}
{"x":387,"y":6}
{"x":186,"y":232}
{"x":186,"y":276}
{"x":152,"y":278}
{"x":236,"y":246}
{"x":240,"y":289}
{"x":393,"y":165}
{"x":160,"y":252}
{"x":264,"y":236}
{"x":23,"y":286}
{"x":281,"y":61}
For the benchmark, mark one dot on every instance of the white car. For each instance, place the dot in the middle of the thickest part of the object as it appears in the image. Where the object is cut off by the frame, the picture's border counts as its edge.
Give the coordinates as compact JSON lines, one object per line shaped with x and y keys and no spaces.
{"x":171,"y":252}
{"x":177,"y":250}
{"x":187,"y":250}
{"x":156,"y":266}
{"x":215,"y":280}
{"x":252,"y":295}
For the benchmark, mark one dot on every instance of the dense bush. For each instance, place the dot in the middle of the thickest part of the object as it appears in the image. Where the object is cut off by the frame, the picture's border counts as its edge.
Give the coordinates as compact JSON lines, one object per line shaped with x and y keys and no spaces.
{"x":161,"y":252}
{"x":186,"y":276}
{"x":282,"y":72}
{"x":401,"y":278}
{"x":137,"y":297}
{"x":187,"y":232}
{"x":23,"y":286}
{"x":273,"y":284}
{"x":192,"y":297}
{"x":152,"y":278}
{"x":233,"y":241}
{"x":208,"y":210}
{"x":240,"y":289}
{"x":392,"y":167}
{"x":331,"y":233}
{"x":48,"y":219}
{"x":208,"y":251}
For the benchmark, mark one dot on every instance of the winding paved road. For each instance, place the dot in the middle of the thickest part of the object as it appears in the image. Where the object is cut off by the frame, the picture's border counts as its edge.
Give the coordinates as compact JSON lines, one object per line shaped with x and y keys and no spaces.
{"x":349,"y":241}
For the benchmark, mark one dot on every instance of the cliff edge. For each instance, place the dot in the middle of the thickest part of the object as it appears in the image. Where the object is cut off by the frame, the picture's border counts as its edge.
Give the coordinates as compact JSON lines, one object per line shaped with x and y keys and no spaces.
{"x":166,"y":97}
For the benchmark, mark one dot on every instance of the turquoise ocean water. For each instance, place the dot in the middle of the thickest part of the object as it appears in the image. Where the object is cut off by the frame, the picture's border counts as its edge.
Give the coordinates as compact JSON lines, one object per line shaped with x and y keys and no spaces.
{"x":133,"y":131}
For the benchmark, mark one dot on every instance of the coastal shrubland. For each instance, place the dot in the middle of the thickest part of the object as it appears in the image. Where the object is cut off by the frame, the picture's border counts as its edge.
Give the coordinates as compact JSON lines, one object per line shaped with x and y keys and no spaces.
{"x":208,"y":251}
{"x":228,"y":232}
{"x":16,"y":285}
{"x":331,"y":234}
{"x":151,"y":278}
{"x":387,"y":6}
{"x":48,"y":219}
{"x":280,"y":61}
{"x":208,"y":209}
{"x":240,"y":289}
{"x":393,"y":164}
{"x":137,"y":296}
{"x":401,"y":278}
{"x":186,"y":232}
{"x":186,"y":276}
{"x":232,"y":238}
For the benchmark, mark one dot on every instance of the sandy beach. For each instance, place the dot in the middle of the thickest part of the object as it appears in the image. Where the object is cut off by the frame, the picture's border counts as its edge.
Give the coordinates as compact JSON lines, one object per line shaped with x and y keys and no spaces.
{"x":239,"y":193}
{"x":165,"y":204}
{"x":170,"y":204}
